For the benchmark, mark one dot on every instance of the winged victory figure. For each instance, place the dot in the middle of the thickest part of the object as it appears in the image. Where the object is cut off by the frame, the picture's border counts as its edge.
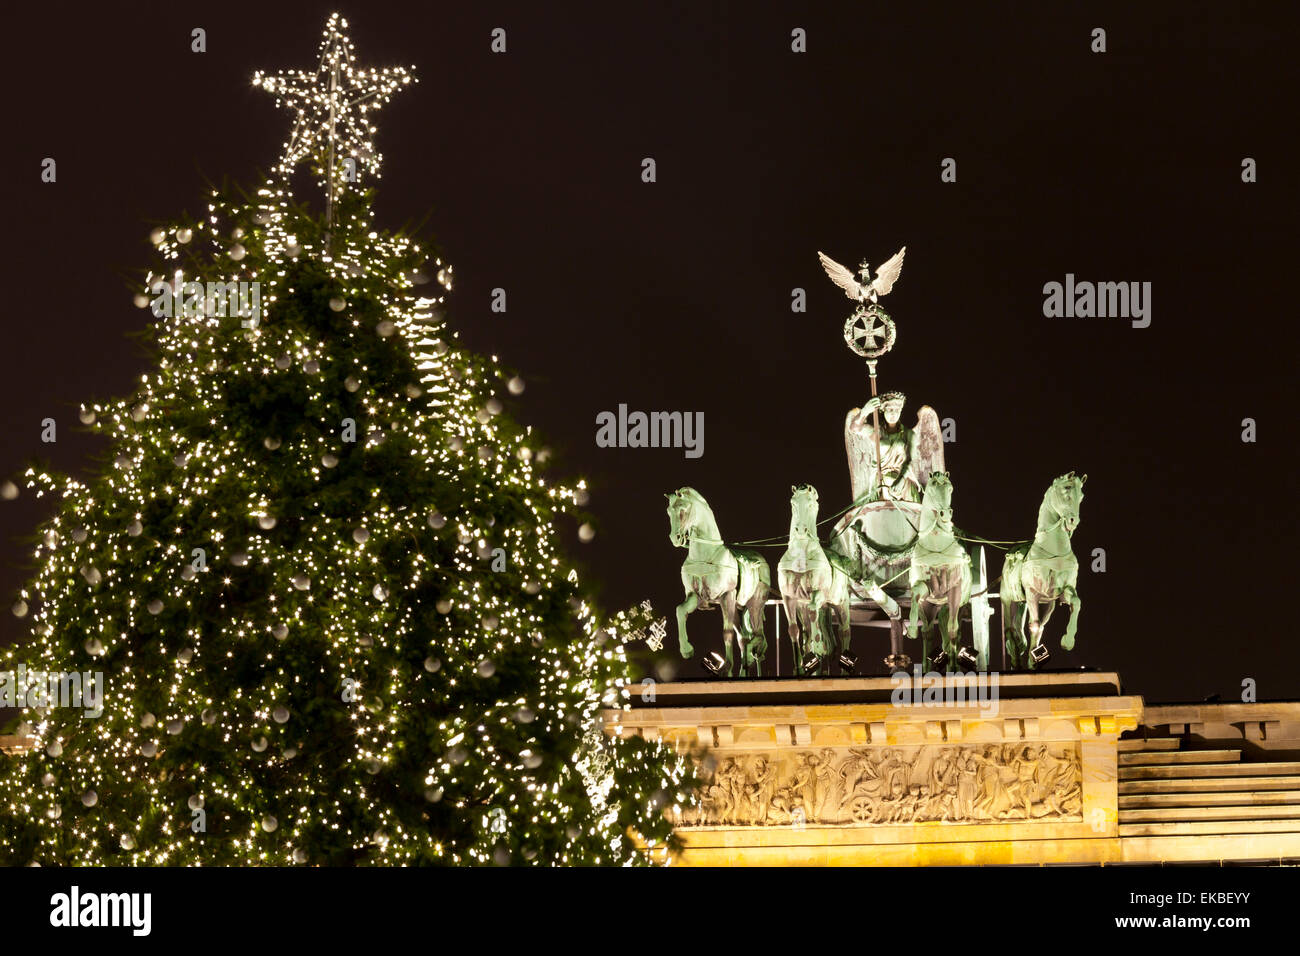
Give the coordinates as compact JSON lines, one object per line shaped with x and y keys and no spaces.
{"x":868,"y":288}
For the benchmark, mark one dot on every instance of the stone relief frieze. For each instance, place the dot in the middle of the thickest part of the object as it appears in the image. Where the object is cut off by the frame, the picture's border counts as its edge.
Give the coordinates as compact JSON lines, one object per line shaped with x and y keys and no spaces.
{"x":988,"y":783}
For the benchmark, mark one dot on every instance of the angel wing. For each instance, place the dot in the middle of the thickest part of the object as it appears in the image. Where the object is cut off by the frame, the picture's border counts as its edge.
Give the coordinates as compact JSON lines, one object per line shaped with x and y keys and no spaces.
{"x":887,"y":274}
{"x":842,"y":277}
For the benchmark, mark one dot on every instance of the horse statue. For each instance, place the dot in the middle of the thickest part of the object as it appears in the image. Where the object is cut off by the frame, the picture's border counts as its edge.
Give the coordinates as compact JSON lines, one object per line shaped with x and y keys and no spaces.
{"x":1043,"y":574}
{"x":713,"y":573}
{"x":940,"y":575}
{"x":814,"y":585}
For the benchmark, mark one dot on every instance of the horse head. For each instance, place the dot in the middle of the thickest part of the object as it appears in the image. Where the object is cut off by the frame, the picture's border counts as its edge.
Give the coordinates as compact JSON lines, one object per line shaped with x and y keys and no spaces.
{"x":1064,"y":498}
{"x":936,"y":503}
{"x":682,"y":505}
{"x":803,"y":509}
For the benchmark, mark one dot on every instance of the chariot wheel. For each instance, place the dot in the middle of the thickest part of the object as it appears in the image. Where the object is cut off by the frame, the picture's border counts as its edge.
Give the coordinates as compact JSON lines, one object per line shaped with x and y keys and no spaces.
{"x":861,"y":809}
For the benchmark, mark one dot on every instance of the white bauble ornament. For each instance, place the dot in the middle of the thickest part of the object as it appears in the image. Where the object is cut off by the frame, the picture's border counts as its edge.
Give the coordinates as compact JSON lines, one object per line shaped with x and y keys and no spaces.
{"x":437,"y":520}
{"x":284,"y":361}
{"x":586,"y":532}
{"x":184,"y":235}
{"x":443,"y":606}
{"x":494,"y":406}
{"x":147,"y":720}
{"x":385,"y":328}
{"x":139,"y":412}
{"x":360,"y":535}
{"x":533,"y":761}
{"x":301,"y":582}
{"x":432,"y":665}
{"x":265,"y":522}
{"x":311,"y":366}
{"x":180,"y":461}
{"x":525,"y":715}
{"x":93,"y":647}
{"x":127,"y":842}
{"x":155,"y":606}
{"x":280,"y":632}
{"x":581,"y":497}
{"x":149,"y":748}
{"x":237,"y":252}
{"x":483,"y":415}
{"x":135,"y":528}
{"x":91,"y":575}
{"x":209,"y":716}
{"x":54,"y":812}
{"x":156,"y":236}
{"x":269,"y":823}
{"x":123,"y":461}
{"x":87,"y":416}
{"x":239,"y":559}
{"x":20,"y":609}
{"x":329,"y":460}
{"x":259,"y":744}
{"x":433,"y":794}
{"x":337,"y":304}
{"x":299,"y":855}
{"x":195,"y":802}
{"x":280,"y":715}
{"x":351,"y":384}
{"x":532,"y":587}
{"x":186,"y":655}
{"x":55,"y":749}
{"x":175,"y":726}
{"x":79,"y":535}
{"x":140,"y":301}
{"x":47,"y":779}
{"x":486,"y":668}
{"x":271,"y":443}
{"x":90,"y":798}
{"x":380,"y":592}
{"x":516,"y":385}
{"x":414,"y":391}
{"x":188,"y":573}
{"x":290,"y":753}
{"x":51,"y":539}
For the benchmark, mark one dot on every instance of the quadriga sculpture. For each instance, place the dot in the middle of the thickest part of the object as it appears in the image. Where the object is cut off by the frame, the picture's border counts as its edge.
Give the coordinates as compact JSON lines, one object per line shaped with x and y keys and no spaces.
{"x":814,"y":585}
{"x":736,"y":580}
{"x":1043,"y":574}
{"x":940,"y":576}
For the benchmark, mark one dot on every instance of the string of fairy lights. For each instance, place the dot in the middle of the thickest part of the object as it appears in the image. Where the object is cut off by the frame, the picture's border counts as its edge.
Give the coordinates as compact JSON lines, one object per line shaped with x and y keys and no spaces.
{"x":303,"y":644}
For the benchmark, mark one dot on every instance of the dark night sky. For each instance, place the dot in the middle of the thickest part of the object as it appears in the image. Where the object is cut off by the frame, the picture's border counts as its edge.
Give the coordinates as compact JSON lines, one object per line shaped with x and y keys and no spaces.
{"x":675,"y":295}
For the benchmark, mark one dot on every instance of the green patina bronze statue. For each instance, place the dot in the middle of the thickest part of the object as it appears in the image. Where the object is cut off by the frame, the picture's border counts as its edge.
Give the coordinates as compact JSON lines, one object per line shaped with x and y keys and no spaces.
{"x":736,"y":580}
{"x":897,"y":528}
{"x":940,"y":575}
{"x":1042,"y":574}
{"x":814,"y":586}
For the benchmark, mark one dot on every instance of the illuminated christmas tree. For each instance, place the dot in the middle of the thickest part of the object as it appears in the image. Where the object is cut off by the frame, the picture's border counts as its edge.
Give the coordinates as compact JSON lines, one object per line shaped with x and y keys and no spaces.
{"x":318,"y":572}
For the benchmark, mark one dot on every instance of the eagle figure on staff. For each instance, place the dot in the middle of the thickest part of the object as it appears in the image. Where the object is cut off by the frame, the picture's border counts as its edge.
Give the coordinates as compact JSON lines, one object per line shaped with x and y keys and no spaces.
{"x":868,"y":289}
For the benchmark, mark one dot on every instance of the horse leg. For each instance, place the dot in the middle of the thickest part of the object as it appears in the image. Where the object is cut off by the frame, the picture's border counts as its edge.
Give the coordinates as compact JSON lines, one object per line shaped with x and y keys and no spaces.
{"x":792,"y":629}
{"x":729,"y":633}
{"x":846,"y":626}
{"x":920,"y":590}
{"x":954,"y":622}
{"x":1072,"y":598}
{"x":686,"y":607}
{"x":1010,"y":639}
{"x":1035,"y":628}
{"x":757,"y":626}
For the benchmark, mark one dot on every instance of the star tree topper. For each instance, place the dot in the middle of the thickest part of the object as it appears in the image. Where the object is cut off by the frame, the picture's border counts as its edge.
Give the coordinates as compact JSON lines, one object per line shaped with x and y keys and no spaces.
{"x":332,"y":106}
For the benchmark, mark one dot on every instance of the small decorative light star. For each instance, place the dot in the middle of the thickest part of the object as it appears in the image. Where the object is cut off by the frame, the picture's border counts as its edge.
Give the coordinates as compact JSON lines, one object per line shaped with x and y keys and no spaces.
{"x":332,"y":105}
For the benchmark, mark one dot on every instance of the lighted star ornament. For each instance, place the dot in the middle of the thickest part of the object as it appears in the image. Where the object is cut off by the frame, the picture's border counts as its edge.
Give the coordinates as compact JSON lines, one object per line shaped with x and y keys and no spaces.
{"x":332,"y":107}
